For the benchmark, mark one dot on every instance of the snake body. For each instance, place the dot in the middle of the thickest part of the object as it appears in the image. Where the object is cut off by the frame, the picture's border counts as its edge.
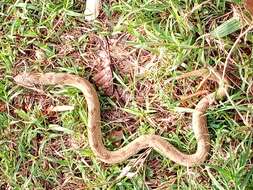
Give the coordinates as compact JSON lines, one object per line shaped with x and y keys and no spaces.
{"x":199,"y":122}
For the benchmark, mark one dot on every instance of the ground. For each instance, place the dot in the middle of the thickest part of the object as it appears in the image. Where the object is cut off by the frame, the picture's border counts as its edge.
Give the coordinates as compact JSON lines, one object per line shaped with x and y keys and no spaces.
{"x":132,"y":54}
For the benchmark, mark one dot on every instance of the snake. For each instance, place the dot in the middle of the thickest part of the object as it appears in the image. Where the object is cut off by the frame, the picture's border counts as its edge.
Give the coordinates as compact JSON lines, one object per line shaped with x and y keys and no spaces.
{"x":157,"y":142}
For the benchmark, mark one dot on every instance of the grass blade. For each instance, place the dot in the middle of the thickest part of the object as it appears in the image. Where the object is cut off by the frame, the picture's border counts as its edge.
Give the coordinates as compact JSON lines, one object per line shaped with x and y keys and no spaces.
{"x":228,"y":27}
{"x":214,"y":181}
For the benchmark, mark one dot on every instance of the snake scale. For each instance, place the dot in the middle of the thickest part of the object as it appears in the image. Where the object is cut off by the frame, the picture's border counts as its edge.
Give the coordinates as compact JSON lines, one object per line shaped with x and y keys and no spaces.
{"x":199,"y":121}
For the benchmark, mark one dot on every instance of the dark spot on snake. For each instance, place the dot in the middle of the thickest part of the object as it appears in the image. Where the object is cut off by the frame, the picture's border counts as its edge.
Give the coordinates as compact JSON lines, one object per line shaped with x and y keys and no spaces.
{"x":93,"y":127}
{"x":95,"y":145}
{"x":93,"y":111}
{"x":50,"y":78}
{"x":65,"y":77}
{"x":79,"y":80}
{"x":107,"y":156}
{"x":137,"y":144}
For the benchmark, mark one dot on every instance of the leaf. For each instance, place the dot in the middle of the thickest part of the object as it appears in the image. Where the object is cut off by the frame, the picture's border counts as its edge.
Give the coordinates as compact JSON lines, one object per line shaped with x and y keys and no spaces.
{"x":214,"y":181}
{"x":126,"y":172}
{"x":73,"y":13}
{"x":133,"y":111}
{"x":102,"y":65}
{"x":62,"y":108}
{"x":22,"y":114}
{"x":249,"y":5}
{"x":60,"y":129}
{"x":103,"y":77}
{"x":228,"y":27}
{"x":25,"y":6}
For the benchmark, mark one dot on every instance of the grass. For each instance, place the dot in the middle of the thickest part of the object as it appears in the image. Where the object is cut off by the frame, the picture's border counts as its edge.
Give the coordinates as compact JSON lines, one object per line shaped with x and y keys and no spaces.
{"x":155,"y":42}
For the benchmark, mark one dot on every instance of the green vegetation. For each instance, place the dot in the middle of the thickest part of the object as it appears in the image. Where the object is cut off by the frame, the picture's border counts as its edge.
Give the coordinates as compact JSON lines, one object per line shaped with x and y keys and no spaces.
{"x":151,"y":42}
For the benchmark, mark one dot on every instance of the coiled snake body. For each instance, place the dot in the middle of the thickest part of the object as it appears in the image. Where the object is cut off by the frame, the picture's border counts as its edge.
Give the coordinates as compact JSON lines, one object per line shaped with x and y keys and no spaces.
{"x":199,"y":123}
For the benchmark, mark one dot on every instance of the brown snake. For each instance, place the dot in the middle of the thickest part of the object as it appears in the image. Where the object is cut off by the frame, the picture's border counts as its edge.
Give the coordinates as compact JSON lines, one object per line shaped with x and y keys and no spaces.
{"x":199,"y":122}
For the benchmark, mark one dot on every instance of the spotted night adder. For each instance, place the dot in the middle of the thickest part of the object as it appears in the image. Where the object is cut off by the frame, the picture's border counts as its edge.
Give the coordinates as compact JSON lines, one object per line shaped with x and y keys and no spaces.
{"x":199,"y":122}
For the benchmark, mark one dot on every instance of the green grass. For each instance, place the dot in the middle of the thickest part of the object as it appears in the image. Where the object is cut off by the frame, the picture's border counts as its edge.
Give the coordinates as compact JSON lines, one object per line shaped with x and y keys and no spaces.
{"x":40,"y":150}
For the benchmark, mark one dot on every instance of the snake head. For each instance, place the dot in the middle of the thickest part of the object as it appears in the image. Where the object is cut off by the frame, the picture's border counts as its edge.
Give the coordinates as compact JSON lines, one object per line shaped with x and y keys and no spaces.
{"x":27,"y":79}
